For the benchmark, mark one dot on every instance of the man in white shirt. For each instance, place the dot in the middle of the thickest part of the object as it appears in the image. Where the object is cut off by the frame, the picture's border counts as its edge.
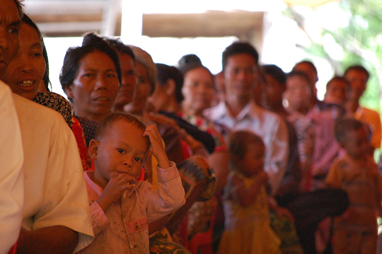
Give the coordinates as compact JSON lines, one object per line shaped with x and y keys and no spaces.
{"x":56,"y":216}
{"x":11,"y":151}
{"x":239,"y":111}
{"x":11,"y":177}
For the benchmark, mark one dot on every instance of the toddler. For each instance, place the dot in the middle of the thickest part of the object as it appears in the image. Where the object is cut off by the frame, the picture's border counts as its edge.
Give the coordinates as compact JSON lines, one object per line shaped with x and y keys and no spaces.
{"x":247,"y":222}
{"x":122,"y":207}
{"x":355,"y":231}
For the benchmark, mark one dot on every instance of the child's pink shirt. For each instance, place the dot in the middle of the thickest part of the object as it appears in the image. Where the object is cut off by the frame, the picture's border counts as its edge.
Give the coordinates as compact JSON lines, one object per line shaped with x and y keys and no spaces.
{"x":124,"y":226}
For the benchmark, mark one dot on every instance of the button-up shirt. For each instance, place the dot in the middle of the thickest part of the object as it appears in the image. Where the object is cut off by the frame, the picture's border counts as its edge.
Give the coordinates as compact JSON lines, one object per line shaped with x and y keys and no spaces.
{"x":268,"y":125}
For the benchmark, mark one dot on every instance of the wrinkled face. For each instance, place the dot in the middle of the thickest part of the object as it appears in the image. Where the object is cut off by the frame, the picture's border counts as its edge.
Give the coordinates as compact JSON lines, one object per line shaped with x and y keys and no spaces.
{"x":27,"y":67}
{"x":198,"y":89}
{"x":9,"y":33}
{"x":273,"y":92}
{"x":337,"y":92}
{"x":253,"y":161}
{"x":358,"y":81}
{"x":95,"y":86}
{"x":142,"y":92}
{"x":129,"y":80}
{"x":239,"y":75}
{"x":357,"y":144}
{"x":121,"y":150}
{"x":298,"y":94}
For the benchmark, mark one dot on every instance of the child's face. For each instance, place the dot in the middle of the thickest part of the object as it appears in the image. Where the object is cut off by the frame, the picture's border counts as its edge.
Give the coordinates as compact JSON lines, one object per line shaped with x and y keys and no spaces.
{"x":253,"y":161}
{"x":356,"y":144}
{"x":336,"y":92}
{"x":121,"y":150}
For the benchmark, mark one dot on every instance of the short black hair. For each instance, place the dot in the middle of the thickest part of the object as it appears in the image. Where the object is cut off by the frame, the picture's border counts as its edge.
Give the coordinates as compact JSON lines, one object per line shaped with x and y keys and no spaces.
{"x":166,"y":72}
{"x":19,"y":7}
{"x":344,"y":125}
{"x":338,"y":78}
{"x":111,"y":118}
{"x":359,"y":68}
{"x":119,"y":46}
{"x":238,"y":142}
{"x":276,"y":72}
{"x":239,"y":48}
{"x":307,"y":62}
{"x":187,"y":60}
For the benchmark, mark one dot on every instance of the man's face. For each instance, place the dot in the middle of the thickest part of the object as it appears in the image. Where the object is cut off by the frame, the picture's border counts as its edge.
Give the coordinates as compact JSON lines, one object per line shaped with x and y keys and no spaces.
{"x":358,"y":81}
{"x":239,"y":75}
{"x":9,"y":33}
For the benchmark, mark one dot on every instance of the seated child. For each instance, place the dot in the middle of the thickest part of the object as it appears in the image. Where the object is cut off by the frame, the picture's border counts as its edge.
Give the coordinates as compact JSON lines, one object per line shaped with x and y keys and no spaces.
{"x":247,"y":222}
{"x":122,"y":207}
{"x":355,"y":231}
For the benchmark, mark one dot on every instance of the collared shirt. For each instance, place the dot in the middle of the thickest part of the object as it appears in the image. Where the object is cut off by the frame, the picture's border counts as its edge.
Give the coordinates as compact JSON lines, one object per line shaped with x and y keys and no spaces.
{"x":55,"y":190}
{"x":372,"y":119}
{"x":124,"y":226}
{"x":11,"y":174}
{"x":326,"y":147}
{"x":268,"y":125}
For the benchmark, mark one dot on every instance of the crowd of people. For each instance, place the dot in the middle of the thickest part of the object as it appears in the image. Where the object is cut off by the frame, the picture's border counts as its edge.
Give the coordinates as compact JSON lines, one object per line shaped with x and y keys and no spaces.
{"x":144,"y":157}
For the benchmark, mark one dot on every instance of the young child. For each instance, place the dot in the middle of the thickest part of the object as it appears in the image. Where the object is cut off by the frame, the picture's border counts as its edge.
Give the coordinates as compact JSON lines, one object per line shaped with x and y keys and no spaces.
{"x":122,"y":207}
{"x":355,"y":231}
{"x":247,"y":223}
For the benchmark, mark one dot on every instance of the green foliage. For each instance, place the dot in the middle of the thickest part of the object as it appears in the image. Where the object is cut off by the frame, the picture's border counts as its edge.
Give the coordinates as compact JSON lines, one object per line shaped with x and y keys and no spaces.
{"x":361,"y":41}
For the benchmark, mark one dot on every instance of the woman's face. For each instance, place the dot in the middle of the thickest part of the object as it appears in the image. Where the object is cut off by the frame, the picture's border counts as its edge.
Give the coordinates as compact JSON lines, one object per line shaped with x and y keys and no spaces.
{"x":27,"y":67}
{"x":94,"y":87}
{"x":198,"y":90}
{"x":142,"y":92}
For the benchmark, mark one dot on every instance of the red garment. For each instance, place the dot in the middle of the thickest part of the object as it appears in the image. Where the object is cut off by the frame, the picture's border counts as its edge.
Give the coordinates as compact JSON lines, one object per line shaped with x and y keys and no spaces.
{"x":81,"y":143}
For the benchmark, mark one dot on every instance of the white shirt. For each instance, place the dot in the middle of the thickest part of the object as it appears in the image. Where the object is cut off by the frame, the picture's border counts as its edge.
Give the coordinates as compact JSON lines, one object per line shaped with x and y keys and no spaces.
{"x":11,"y":177}
{"x":268,"y":125}
{"x":55,"y":191}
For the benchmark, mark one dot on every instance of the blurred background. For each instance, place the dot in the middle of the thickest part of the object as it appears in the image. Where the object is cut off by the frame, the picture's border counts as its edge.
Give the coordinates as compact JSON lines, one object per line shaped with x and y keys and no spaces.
{"x":331,"y":34}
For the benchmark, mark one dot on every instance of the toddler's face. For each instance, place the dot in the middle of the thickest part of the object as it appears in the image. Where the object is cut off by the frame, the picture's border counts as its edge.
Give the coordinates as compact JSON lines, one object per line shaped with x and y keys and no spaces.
{"x":121,"y":149}
{"x":357,"y":144}
{"x":253,"y":161}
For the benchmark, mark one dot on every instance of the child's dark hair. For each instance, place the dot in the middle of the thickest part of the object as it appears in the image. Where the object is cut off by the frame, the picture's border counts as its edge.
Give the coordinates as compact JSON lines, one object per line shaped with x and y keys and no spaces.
{"x":108,"y":121}
{"x":238,"y":142}
{"x":344,"y":125}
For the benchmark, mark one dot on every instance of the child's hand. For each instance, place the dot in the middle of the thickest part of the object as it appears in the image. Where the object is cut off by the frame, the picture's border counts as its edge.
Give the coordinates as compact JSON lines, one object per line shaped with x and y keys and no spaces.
{"x":117,"y":185}
{"x":157,"y":146}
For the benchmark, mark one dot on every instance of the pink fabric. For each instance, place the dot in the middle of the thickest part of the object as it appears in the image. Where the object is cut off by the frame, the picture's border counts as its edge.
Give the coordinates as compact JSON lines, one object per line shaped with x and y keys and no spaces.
{"x":123,"y":228}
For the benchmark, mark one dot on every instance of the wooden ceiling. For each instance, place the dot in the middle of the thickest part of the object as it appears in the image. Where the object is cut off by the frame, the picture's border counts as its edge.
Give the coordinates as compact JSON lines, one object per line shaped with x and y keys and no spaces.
{"x":74,"y":17}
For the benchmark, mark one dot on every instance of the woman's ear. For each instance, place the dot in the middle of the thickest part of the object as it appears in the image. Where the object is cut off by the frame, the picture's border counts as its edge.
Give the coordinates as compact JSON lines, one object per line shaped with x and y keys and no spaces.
{"x":170,"y":87}
{"x":68,"y":91}
{"x":93,"y":149}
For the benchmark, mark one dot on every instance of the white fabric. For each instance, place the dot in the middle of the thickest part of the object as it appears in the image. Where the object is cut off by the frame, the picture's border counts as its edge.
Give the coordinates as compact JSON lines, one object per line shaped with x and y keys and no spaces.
{"x":268,"y":125}
{"x":11,"y":177}
{"x":55,"y":191}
